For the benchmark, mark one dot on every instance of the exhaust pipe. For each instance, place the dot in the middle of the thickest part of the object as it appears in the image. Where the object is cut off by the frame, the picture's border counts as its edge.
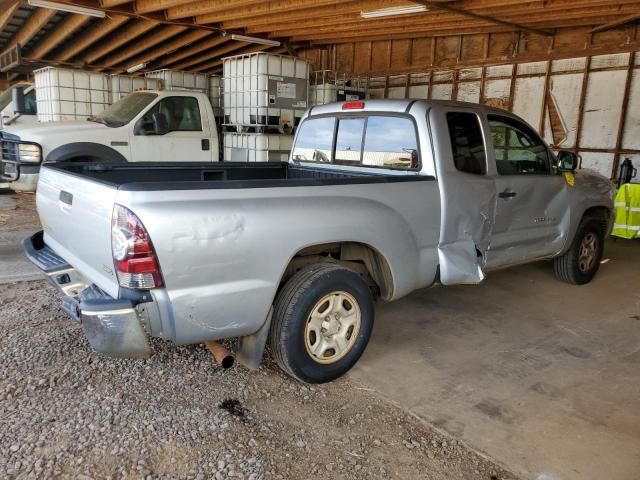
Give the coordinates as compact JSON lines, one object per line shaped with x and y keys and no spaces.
{"x":221,"y":354}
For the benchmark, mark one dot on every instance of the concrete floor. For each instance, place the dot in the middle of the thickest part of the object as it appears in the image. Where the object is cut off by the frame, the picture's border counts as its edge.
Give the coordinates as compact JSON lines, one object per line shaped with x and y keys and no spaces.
{"x":540,"y":375}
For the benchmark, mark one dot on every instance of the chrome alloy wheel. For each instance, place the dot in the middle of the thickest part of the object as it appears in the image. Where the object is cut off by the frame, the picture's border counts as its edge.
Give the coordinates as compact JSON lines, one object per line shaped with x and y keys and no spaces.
{"x":588,"y":252}
{"x":332,"y":327}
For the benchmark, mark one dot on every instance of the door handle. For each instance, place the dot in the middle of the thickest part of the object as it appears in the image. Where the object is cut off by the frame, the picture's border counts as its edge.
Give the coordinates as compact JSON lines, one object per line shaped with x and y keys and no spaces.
{"x":205,"y":144}
{"x":507,"y":194}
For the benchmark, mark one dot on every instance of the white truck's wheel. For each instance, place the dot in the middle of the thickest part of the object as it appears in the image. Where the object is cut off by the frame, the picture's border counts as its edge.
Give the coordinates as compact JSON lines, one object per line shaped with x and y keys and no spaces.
{"x":322,"y":322}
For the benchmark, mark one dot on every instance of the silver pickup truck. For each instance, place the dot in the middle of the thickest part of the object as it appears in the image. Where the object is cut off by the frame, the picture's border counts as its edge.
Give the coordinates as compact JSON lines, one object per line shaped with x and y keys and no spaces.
{"x":379,"y":198}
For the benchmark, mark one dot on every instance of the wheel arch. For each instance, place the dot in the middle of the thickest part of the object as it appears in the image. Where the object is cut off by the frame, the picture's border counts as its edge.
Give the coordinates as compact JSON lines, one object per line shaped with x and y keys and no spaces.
{"x":363,"y":258}
{"x":599,"y":212}
{"x":85,"y":150}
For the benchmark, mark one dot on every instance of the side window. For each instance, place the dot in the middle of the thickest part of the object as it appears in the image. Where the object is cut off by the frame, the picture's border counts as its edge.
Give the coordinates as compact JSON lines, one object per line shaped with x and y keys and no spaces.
{"x":314,"y":140}
{"x":349,"y":141}
{"x":182,"y":113}
{"x":518,"y":149}
{"x":390,"y":142}
{"x":467,"y":142}
{"x":30,"y":103}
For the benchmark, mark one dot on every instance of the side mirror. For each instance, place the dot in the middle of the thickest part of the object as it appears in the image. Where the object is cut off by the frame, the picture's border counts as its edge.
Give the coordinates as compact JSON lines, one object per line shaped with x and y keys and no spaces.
{"x":17,"y":97}
{"x":568,"y":161}
{"x":160,"y":124}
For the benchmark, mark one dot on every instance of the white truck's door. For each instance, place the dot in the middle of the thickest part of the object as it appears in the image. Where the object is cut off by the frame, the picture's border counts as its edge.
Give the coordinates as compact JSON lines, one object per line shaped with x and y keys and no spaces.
{"x":189,"y":136}
{"x":533,"y":200}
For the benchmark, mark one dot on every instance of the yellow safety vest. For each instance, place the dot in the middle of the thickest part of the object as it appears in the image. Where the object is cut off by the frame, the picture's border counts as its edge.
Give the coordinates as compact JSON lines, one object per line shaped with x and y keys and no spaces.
{"x":627,"y":224}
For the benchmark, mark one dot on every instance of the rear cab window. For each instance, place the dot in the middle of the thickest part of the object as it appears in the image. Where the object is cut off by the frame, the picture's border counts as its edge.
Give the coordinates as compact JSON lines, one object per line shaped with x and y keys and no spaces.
{"x":373,"y":140}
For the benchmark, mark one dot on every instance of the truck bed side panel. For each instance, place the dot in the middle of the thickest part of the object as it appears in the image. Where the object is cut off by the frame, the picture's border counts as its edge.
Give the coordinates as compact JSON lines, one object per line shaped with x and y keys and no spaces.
{"x":223,"y":252}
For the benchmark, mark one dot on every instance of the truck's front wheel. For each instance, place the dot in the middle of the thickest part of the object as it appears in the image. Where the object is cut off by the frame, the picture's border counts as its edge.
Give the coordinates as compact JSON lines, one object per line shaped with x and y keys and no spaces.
{"x":322,"y":322}
{"x":581,"y":262}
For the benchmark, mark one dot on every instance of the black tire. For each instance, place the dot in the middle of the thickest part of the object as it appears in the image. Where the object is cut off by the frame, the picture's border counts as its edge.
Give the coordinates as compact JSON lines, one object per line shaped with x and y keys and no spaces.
{"x":292,"y":312}
{"x":569,"y":267}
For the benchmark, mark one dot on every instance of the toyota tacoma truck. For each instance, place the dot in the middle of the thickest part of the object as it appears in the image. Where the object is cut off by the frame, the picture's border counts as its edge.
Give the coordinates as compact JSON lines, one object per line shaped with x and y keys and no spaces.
{"x":378,"y":199}
{"x":144,"y":125}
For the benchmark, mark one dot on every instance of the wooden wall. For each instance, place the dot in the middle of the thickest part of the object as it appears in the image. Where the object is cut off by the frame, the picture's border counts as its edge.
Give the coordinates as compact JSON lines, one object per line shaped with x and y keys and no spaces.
{"x":420,"y":54}
{"x":580,"y":91}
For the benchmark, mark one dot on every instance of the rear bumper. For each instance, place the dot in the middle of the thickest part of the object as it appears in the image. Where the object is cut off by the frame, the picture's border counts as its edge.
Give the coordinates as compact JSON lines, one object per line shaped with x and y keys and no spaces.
{"x":113,"y":326}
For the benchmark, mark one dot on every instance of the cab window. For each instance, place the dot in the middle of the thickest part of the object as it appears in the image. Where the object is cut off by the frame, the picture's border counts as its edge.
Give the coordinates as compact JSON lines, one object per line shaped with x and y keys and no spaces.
{"x":467,"y":142}
{"x":390,"y":142}
{"x":349,"y":141}
{"x":518,"y":149}
{"x":30,"y":104}
{"x":315,"y":140}
{"x":182,"y":113}
{"x":377,"y":141}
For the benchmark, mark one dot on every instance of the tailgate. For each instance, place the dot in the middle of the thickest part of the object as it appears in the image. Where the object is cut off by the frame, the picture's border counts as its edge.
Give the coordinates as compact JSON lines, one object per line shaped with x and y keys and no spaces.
{"x":76,"y":217}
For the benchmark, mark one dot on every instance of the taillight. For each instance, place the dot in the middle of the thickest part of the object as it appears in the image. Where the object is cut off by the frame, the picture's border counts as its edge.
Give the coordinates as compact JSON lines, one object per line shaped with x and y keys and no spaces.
{"x":357,"y":105}
{"x":133,"y":254}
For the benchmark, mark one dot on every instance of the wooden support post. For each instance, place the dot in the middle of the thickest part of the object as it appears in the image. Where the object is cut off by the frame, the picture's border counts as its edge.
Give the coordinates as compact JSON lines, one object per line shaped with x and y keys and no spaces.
{"x":622,"y":123}
{"x":583,"y":99}
{"x":545,"y":96}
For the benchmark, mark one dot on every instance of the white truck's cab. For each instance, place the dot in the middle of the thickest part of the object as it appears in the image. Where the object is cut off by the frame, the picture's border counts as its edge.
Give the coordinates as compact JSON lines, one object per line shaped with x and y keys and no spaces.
{"x":143,"y":126}
{"x":10,"y":113}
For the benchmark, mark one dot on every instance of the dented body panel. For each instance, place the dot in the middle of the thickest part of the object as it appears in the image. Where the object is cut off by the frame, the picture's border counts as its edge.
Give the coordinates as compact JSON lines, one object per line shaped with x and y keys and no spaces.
{"x":225,"y":253}
{"x":224,"y":245}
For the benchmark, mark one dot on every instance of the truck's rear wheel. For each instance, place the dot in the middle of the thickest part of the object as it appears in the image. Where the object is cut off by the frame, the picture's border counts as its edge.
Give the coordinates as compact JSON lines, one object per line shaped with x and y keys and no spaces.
{"x":322,"y":322}
{"x":581,"y":262}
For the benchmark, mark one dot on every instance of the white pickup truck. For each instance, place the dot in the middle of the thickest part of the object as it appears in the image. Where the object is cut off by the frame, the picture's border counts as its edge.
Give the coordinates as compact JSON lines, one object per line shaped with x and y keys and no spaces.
{"x":143,"y":126}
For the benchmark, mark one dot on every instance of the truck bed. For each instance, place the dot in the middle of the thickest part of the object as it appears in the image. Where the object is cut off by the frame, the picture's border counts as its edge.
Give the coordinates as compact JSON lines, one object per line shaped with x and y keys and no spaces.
{"x":150,"y":176}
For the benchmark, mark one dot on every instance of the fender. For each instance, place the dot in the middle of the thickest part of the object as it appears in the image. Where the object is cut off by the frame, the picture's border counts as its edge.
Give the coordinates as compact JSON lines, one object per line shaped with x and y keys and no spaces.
{"x":85,"y":149}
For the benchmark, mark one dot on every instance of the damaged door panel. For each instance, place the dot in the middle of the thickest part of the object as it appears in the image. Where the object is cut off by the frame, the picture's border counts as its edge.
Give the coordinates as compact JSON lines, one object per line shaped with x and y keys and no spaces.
{"x":468,"y":195}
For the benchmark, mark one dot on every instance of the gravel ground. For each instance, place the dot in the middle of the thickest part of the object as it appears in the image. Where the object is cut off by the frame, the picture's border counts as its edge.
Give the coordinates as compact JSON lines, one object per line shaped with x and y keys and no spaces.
{"x":67,"y":412}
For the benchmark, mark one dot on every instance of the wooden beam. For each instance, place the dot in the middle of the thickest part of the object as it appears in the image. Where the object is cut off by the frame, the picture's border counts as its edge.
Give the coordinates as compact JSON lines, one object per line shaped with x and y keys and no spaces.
{"x":7,"y":15}
{"x":34,"y":23}
{"x":264,"y":8}
{"x":146,"y":6}
{"x":156,"y":54}
{"x":160,"y":35}
{"x":478,"y":16}
{"x":616,"y":23}
{"x":128,"y":33}
{"x":216,"y":65}
{"x":194,"y":63}
{"x":89,"y":37}
{"x":194,"y":49}
{"x":113,"y":3}
{"x":58,"y":34}
{"x":305,"y":13}
{"x":207,"y":7}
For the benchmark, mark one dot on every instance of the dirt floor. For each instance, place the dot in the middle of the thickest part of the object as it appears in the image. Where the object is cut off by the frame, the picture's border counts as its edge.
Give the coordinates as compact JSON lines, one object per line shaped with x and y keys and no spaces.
{"x":66,"y":412}
{"x":18,"y":212}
